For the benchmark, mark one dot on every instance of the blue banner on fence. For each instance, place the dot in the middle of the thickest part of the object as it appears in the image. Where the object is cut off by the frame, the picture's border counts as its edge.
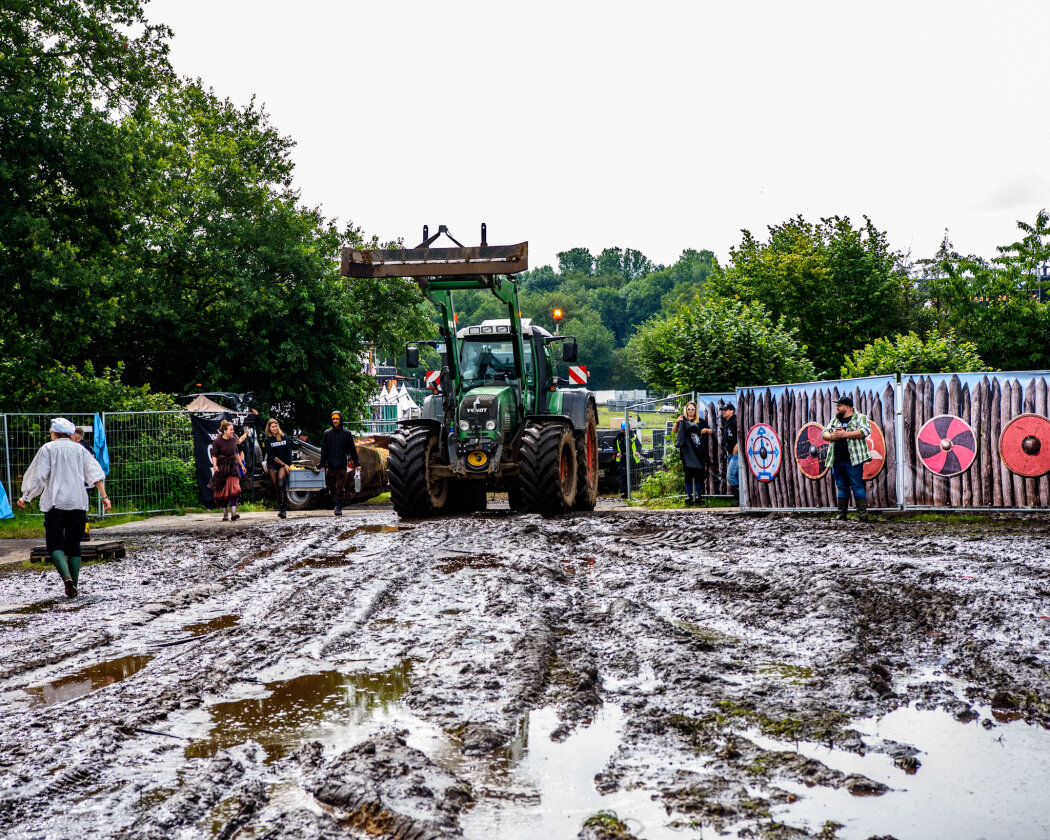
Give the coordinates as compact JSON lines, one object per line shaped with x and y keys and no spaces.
{"x":5,"y":505}
{"x":101,"y":450}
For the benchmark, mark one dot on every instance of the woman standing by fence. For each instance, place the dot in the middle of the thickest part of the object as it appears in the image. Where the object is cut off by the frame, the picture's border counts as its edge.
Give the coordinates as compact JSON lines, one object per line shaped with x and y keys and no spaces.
{"x":226,"y":480}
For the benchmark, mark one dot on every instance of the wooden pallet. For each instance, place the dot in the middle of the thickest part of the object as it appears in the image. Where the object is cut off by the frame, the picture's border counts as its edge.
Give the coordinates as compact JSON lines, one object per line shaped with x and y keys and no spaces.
{"x":88,"y":551}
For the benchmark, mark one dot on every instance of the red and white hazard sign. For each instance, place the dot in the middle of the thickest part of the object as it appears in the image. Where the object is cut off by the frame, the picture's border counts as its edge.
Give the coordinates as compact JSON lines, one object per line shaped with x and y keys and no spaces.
{"x":578,"y":374}
{"x":431,"y":379}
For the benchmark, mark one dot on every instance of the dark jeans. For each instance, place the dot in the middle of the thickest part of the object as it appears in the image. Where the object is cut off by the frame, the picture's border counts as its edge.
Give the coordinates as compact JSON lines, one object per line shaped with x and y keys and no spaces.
{"x":64,"y":529}
{"x":847,"y":477}
{"x":340,"y":484}
{"x":695,"y":479}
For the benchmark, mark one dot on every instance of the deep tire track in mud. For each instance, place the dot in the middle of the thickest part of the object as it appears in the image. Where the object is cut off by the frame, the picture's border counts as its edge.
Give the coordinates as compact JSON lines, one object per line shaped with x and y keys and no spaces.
{"x":364,"y":676}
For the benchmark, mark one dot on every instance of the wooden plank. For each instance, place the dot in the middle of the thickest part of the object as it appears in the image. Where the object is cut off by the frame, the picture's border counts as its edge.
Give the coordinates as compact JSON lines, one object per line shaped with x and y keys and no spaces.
{"x":801,"y":417}
{"x":1031,"y":485}
{"x":1041,"y":408}
{"x":968,"y":477}
{"x":1014,"y":407}
{"x":954,"y":488}
{"x":941,"y":494}
{"x":828,"y":484}
{"x":904,"y":457}
{"x":889,"y":431}
{"x":994,"y":428}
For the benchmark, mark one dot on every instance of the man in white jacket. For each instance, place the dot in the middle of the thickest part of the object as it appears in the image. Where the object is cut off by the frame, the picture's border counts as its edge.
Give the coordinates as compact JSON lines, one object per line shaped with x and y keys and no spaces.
{"x":59,"y":474}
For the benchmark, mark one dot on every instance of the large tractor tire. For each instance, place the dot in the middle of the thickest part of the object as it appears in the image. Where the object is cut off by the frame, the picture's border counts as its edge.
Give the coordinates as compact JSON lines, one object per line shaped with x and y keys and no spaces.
{"x":548,"y":468}
{"x":412,"y":491}
{"x":587,"y":462}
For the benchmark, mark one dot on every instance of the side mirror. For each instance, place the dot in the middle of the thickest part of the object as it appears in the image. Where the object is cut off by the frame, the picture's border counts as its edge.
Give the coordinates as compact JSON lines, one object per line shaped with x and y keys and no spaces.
{"x":569,"y":352}
{"x":412,"y":357}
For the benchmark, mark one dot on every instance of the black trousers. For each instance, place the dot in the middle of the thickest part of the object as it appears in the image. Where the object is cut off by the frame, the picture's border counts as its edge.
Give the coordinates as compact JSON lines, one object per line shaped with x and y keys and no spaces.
{"x":340,"y":484}
{"x":64,"y":529}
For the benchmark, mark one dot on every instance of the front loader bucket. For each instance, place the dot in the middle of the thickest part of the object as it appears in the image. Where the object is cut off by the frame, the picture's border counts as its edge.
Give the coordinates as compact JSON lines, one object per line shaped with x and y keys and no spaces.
{"x":435,"y":262}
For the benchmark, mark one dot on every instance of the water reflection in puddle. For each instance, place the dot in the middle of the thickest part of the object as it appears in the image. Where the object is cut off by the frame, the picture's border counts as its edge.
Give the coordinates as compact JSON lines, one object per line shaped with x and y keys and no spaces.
{"x":331,"y":561}
{"x":548,"y":789}
{"x":300,"y":709}
{"x":476,"y":561}
{"x":87,"y":680}
{"x":202,"y":628}
{"x":973,"y":782}
{"x":368,"y":529}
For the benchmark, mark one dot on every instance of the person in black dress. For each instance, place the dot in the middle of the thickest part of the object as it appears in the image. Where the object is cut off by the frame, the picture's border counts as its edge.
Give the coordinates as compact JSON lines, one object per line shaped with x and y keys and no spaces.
{"x":690,"y":429}
{"x":225,"y":481}
{"x":278,"y":449}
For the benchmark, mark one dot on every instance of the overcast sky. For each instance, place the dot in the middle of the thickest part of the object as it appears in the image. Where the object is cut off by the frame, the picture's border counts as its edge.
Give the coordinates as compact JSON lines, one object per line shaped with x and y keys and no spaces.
{"x":656,"y":126}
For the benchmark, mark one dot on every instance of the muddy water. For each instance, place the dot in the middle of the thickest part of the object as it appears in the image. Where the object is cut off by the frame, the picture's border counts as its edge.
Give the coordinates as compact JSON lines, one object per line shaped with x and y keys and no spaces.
{"x":286,"y":713}
{"x":86,"y":680}
{"x":698,"y":675}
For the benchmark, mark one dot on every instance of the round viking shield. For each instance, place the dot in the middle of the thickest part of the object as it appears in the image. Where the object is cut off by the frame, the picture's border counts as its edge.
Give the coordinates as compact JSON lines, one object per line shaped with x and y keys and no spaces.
{"x":1024,"y":445}
{"x":811,"y":451}
{"x":877,"y":448}
{"x":764,"y":451}
{"x":946,"y":444}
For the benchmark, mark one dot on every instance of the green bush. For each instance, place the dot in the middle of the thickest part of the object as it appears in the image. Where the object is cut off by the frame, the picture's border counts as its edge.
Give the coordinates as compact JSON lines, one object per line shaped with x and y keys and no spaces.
{"x":718,"y":345}
{"x":910,"y":354}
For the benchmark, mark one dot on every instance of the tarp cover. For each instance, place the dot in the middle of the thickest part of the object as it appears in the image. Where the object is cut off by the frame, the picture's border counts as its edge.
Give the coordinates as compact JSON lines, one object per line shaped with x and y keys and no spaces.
{"x":203,"y":403}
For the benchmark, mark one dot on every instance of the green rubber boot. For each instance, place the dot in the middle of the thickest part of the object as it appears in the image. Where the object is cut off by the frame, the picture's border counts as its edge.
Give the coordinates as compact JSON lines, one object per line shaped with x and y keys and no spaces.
{"x":58,"y":560}
{"x":74,"y":570}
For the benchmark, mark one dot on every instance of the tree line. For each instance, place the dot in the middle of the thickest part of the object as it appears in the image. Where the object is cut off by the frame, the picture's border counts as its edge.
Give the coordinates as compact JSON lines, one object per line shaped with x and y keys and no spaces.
{"x":151,"y":242}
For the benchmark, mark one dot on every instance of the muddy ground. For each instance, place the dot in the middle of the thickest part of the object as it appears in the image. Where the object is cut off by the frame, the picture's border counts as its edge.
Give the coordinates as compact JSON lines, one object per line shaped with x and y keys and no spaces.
{"x":510,"y":676}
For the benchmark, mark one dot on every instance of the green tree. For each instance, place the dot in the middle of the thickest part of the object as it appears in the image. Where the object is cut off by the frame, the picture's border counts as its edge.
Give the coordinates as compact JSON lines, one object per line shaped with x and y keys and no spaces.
{"x":715,"y":345}
{"x":836,"y":283}
{"x":911,"y":354}
{"x":992,"y":305}
{"x":576,"y":261}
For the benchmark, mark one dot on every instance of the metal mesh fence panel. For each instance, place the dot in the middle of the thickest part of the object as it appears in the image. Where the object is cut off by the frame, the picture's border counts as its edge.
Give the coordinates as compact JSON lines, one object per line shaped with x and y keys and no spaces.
{"x":24,"y":435}
{"x":151,"y":461}
{"x":650,"y":423}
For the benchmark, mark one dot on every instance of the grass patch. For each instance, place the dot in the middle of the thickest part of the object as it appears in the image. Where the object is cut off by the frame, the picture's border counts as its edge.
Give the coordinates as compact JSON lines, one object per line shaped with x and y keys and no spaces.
{"x":794,"y":674}
{"x":672,"y":503}
{"x":732,"y":715}
{"x":381,"y":499}
{"x":950,"y":518}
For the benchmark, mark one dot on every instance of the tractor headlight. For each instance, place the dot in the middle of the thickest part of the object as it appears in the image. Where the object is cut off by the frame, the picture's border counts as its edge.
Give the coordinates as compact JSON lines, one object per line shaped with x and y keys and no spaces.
{"x":464,"y":425}
{"x":490,"y":425}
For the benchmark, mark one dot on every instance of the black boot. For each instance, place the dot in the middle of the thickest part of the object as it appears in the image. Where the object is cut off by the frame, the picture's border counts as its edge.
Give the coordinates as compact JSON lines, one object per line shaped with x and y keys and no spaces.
{"x":843,"y":507}
{"x":862,"y":509}
{"x":338,"y":508}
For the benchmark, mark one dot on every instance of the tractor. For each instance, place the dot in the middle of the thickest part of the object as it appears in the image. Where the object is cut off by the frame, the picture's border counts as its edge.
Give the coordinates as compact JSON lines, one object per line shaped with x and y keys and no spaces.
{"x":499,"y":420}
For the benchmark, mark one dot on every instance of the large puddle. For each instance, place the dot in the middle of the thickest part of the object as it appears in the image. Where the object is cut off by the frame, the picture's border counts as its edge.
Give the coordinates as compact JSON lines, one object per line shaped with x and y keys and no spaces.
{"x":973,"y":782}
{"x":287,"y":713}
{"x":87,"y":680}
{"x":547,"y":788}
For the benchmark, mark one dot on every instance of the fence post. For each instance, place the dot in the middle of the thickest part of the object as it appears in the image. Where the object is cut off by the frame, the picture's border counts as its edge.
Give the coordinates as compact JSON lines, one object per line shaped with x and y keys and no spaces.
{"x":898,"y":434}
{"x":627,"y":447}
{"x":98,"y":496}
{"x":7,"y":463}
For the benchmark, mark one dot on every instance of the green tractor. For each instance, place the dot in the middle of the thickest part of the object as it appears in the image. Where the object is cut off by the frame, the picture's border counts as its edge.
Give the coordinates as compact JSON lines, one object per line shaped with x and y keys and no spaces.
{"x":499,"y":419}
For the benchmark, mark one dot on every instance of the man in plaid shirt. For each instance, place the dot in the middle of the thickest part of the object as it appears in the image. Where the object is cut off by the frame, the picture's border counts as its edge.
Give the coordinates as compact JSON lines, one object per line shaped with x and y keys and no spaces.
{"x":848,"y":454}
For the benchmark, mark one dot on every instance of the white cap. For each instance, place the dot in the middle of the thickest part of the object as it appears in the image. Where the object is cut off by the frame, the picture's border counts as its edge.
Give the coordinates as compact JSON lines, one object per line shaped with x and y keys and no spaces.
{"x":62,"y":426}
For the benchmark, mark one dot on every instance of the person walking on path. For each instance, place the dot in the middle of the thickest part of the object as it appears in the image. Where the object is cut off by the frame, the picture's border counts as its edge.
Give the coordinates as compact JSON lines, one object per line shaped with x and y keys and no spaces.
{"x":847,"y":455}
{"x":731,"y":447}
{"x":59,"y":474}
{"x":337,"y":451}
{"x":278,"y":451}
{"x":225,"y":481}
{"x":689,"y":430}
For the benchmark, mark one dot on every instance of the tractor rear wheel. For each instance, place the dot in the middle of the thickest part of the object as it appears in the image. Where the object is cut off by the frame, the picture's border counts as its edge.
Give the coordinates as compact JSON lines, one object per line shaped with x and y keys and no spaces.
{"x":587,"y":463}
{"x":413,"y":451}
{"x":548,"y":468}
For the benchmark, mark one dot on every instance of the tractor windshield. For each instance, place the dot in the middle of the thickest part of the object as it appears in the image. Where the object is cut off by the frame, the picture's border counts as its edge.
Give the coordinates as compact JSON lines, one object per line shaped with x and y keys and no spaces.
{"x":486,"y":361}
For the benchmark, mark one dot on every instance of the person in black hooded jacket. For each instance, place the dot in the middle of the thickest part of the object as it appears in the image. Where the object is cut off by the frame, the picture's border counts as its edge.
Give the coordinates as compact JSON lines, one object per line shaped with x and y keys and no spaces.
{"x":337,"y":451}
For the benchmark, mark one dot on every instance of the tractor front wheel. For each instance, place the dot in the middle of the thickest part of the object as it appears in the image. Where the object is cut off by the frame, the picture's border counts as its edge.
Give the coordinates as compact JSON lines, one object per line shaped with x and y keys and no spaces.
{"x":548,"y":468}
{"x":413,"y":451}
